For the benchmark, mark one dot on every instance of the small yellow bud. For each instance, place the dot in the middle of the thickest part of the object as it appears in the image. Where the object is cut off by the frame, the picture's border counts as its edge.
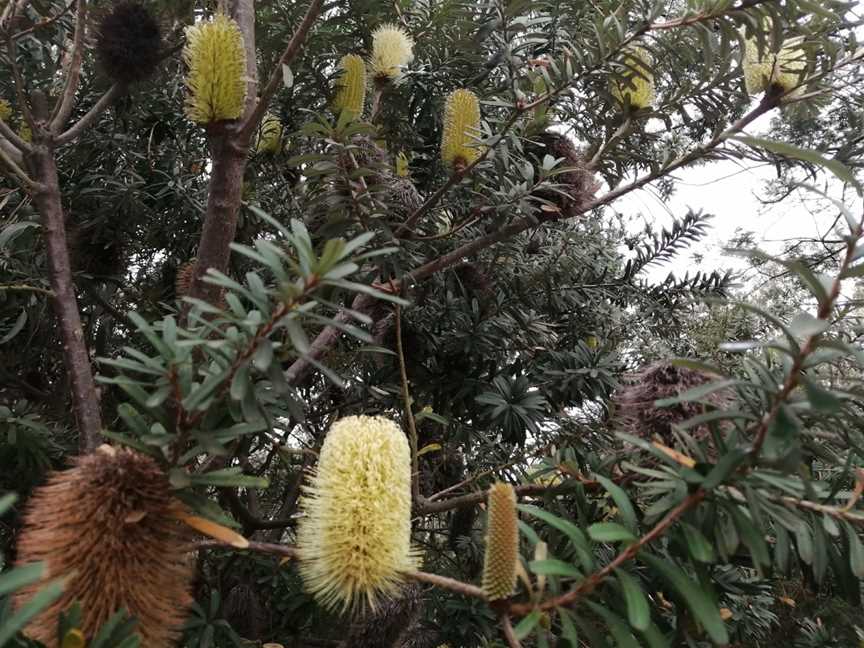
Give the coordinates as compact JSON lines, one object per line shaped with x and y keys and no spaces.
{"x":73,"y":639}
{"x":502,"y":543}
{"x":461,"y":127}
{"x":269,"y":138}
{"x":402,"y":169}
{"x":216,"y":58}
{"x":351,"y":96}
{"x":637,"y":81}
{"x":392,"y":50}
{"x":355,"y":539}
{"x":5,"y":110}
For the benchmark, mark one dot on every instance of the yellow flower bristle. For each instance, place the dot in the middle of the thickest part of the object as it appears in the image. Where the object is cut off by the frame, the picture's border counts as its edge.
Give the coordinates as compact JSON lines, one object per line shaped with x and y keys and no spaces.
{"x":402,"y":165}
{"x":216,"y":58}
{"x":269,"y":138}
{"x":783,"y":69}
{"x":354,"y":541}
{"x":637,"y":82}
{"x":461,"y":128}
{"x":502,"y":543}
{"x":5,"y":110}
{"x":351,"y":96}
{"x":392,"y":50}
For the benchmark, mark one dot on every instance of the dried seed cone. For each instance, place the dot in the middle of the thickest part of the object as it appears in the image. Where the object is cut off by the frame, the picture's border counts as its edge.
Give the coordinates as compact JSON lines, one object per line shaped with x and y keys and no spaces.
{"x":129,"y":42}
{"x":461,"y":126}
{"x":106,"y":526}
{"x":637,"y":82}
{"x":355,"y":539}
{"x":185,"y":274}
{"x":351,"y":95}
{"x":502,"y":543}
{"x":216,"y":58}
{"x":392,"y":50}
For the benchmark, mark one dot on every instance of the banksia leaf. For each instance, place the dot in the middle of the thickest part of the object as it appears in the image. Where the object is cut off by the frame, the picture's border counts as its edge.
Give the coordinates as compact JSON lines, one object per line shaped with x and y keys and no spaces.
{"x":351,"y":96}
{"x":354,"y":541}
{"x":502,"y":543}
{"x":637,"y":82}
{"x":269,"y":138}
{"x":392,"y":50}
{"x":216,"y":58}
{"x":107,"y":526}
{"x":461,"y":126}
{"x":74,"y":639}
{"x":5,"y":110}
{"x":128,"y":43}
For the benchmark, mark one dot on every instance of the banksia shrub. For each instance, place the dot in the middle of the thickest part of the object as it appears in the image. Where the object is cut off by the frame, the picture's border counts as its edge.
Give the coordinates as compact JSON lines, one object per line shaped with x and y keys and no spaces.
{"x":269,"y":138}
{"x":461,"y":126}
{"x":636,"y":83}
{"x":502,"y":543}
{"x":351,"y":93}
{"x":392,"y":50}
{"x":782,"y":70}
{"x":216,"y":80}
{"x":128,"y":43}
{"x":109,"y":526}
{"x":354,"y":540}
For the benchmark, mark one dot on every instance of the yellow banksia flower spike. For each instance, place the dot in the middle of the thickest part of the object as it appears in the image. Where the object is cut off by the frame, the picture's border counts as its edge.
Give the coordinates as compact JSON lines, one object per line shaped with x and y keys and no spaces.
{"x":461,"y":127}
{"x":502,"y":543}
{"x":637,"y":82}
{"x":351,"y":95}
{"x":216,"y":58}
{"x":354,"y":541}
{"x":783,"y":70}
{"x":269,"y":138}
{"x":402,"y":165}
{"x":392,"y":50}
{"x":5,"y":110}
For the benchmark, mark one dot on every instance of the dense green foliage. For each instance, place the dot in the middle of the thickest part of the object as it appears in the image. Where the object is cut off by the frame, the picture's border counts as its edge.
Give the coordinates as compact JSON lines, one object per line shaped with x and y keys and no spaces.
{"x":505,"y":314}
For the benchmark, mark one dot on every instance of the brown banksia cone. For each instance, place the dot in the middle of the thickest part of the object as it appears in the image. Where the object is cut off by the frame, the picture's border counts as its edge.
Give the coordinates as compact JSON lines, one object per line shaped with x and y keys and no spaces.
{"x":578,"y":183}
{"x":129,"y":42}
{"x":109,"y":526}
{"x":502,"y":543}
{"x":636,"y":413}
{"x":185,"y":274}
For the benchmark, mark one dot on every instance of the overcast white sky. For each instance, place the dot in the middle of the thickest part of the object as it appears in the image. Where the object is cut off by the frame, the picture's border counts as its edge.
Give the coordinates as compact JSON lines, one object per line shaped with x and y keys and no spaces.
{"x":727,"y":189}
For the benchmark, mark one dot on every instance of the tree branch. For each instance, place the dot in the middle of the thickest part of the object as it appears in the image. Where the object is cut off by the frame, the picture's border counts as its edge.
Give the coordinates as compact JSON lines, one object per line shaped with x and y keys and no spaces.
{"x":63,"y":107}
{"x":250,"y":123}
{"x":98,"y":108}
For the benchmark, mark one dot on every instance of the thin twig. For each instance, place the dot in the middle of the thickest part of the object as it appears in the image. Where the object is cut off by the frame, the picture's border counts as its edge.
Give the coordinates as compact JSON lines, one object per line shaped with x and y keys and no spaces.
{"x":509,"y":634}
{"x":63,"y":107}
{"x":26,"y":288}
{"x":409,"y":414}
{"x":447,"y":583}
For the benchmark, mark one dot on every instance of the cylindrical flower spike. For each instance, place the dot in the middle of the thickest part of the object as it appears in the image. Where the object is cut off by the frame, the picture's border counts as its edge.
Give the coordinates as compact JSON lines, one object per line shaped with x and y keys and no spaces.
{"x":461,"y":127}
{"x":502,"y":543}
{"x":351,"y":96}
{"x":216,"y":58}
{"x":109,"y":527}
{"x":637,"y":82}
{"x":392,"y":50}
{"x":355,"y":539}
{"x":269,"y":138}
{"x":782,"y":70}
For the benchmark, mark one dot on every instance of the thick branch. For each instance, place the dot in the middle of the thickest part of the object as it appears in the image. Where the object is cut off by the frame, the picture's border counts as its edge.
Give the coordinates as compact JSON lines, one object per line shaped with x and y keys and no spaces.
{"x":73,"y":72}
{"x":85,"y":399}
{"x":98,"y":108}
{"x":251,"y":122}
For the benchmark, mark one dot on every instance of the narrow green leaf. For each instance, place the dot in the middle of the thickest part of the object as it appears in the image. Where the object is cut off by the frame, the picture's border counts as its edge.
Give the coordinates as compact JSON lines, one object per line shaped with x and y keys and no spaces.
{"x":622,"y":501}
{"x":553,"y":567}
{"x":20,"y":576}
{"x":638,"y":612}
{"x":527,"y":625}
{"x":41,"y":600}
{"x":609,"y":532}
